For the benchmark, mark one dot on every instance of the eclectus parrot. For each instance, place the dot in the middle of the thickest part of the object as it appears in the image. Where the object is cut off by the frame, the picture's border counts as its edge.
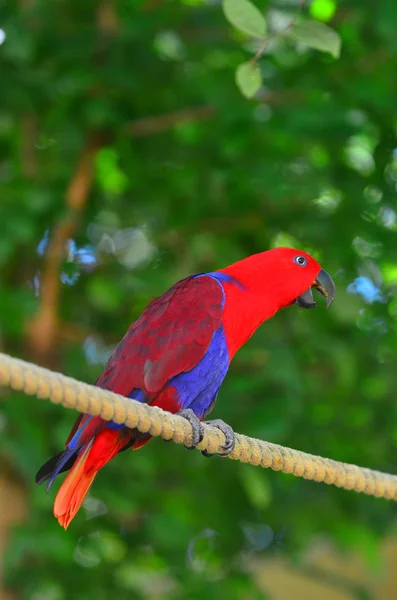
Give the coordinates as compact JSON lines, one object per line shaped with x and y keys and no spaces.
{"x":176,"y":356}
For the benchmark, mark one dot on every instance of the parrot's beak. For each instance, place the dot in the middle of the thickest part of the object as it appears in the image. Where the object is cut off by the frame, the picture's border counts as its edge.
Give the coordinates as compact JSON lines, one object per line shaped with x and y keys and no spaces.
{"x":324,"y":285}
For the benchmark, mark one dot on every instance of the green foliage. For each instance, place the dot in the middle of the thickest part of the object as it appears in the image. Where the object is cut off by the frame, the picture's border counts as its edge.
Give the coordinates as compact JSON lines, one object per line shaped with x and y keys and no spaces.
{"x":248,"y":78}
{"x":243,"y":15}
{"x":317,"y":35}
{"x":110,"y":177}
{"x":190,"y":176}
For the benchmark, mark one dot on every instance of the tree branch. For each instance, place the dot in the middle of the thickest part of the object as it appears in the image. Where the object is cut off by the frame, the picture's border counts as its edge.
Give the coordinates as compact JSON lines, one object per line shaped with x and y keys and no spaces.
{"x":158,"y":124}
{"x":43,"y":329}
{"x":28,"y":153}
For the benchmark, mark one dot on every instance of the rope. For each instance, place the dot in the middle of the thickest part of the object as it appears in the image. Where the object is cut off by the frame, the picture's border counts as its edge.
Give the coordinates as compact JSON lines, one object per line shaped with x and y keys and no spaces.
{"x":59,"y":389}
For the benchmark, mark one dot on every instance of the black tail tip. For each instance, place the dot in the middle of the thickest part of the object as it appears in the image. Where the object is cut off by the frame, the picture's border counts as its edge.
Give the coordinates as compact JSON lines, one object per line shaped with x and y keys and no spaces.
{"x":51,"y":467}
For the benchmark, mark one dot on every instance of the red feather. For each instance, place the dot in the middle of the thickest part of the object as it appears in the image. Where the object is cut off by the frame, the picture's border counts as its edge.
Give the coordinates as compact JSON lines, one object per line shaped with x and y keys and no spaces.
{"x":171,"y":336}
{"x":75,"y":487}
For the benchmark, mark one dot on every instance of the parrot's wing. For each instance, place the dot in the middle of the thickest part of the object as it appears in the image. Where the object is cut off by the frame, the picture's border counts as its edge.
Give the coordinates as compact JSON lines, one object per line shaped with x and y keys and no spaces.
{"x":170,"y":337}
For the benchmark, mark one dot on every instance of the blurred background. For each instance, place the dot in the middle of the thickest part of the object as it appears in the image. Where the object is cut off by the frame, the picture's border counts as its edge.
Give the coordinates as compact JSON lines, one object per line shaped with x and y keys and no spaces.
{"x":130,"y":159}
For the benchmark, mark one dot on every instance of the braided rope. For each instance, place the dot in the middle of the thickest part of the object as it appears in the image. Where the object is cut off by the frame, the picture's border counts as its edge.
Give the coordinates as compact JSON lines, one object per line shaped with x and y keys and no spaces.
{"x":59,"y":389}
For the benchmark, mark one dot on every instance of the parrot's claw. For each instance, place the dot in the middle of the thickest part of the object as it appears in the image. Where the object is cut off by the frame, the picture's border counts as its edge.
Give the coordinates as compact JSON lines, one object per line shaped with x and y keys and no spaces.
{"x":229,"y":434}
{"x":197,"y":428}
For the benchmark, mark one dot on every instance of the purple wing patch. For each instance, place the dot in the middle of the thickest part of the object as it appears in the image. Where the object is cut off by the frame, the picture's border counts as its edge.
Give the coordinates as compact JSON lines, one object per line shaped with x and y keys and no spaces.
{"x":198,"y":388}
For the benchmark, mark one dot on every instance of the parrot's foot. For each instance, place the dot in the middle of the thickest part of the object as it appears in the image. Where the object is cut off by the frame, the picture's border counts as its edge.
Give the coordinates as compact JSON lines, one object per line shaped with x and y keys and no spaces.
{"x":229,"y":434}
{"x":197,"y":428}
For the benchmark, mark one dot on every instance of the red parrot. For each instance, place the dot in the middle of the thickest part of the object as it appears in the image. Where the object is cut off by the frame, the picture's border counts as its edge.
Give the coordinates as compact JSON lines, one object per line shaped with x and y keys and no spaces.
{"x":176,"y":356}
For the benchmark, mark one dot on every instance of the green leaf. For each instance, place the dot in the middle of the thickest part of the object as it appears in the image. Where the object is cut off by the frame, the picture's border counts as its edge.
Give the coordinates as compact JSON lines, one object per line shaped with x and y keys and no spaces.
{"x":248,"y":78}
{"x":243,"y":15}
{"x":318,"y":36}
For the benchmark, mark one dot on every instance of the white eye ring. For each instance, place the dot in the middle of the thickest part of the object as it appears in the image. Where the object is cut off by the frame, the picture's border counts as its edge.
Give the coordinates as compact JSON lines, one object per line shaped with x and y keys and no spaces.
{"x":301,"y":261}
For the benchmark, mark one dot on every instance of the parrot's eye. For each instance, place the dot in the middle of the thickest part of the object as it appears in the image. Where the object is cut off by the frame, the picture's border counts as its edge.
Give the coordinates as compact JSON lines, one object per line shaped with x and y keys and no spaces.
{"x":301,"y":261}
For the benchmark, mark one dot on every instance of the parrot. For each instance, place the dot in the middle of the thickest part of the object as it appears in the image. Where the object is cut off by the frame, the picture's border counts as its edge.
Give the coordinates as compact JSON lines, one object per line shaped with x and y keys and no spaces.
{"x":176,"y":355}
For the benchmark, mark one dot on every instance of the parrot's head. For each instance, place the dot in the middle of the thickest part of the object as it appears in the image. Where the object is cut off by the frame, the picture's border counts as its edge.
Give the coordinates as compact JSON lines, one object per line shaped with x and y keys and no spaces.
{"x":295,"y":275}
{"x":284,"y":276}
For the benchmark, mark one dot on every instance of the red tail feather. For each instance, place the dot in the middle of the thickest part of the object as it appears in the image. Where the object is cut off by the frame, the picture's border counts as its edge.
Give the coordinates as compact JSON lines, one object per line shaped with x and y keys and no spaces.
{"x":75,"y":487}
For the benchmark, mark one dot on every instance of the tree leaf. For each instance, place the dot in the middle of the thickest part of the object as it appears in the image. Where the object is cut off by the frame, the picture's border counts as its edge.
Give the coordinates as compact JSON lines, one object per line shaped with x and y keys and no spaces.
{"x":248,"y":78}
{"x":317,"y":35}
{"x":243,"y":15}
